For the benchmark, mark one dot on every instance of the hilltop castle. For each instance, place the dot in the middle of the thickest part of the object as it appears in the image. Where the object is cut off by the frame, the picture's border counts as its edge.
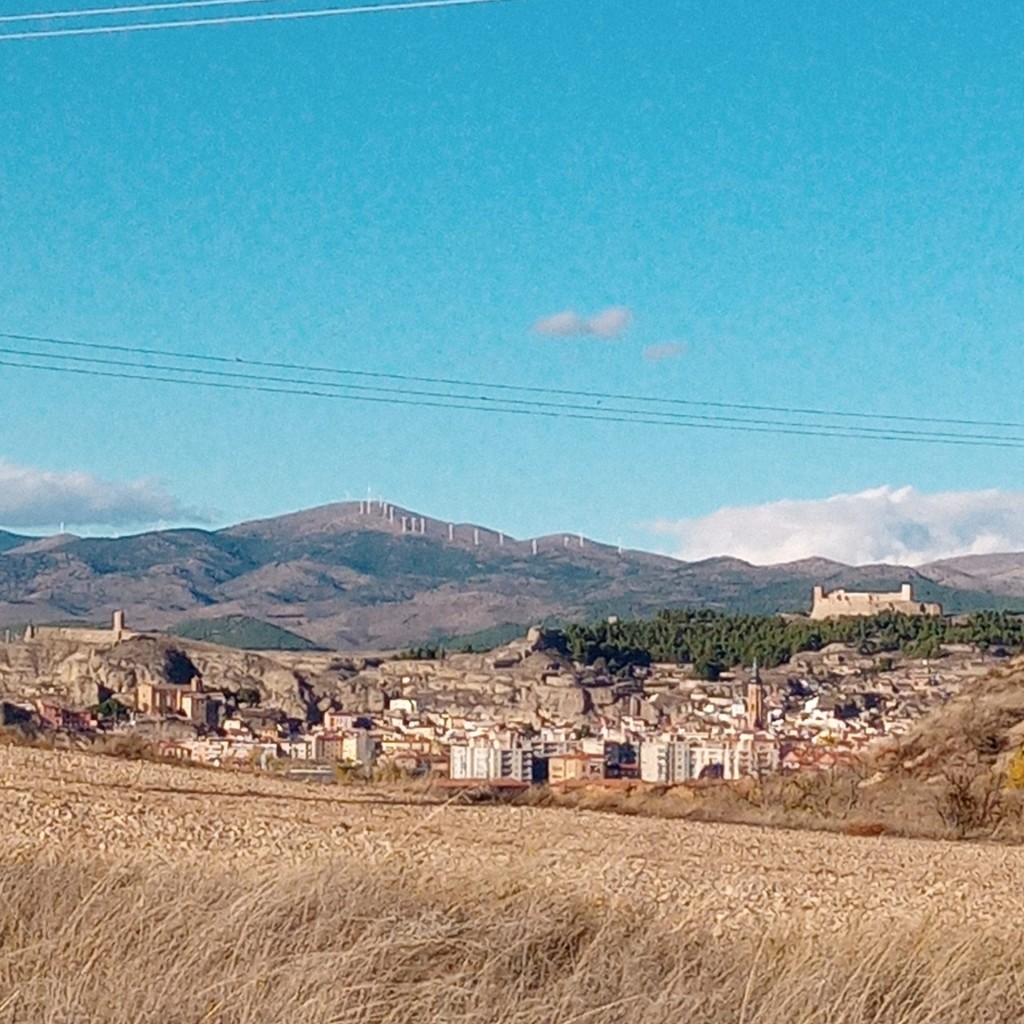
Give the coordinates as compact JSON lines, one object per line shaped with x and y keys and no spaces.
{"x":840,"y":603}
{"x":82,"y":634}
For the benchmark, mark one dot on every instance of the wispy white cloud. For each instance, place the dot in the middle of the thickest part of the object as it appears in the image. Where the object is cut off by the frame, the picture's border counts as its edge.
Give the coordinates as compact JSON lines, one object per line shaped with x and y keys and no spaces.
{"x":884,"y":524}
{"x":561,"y":325}
{"x":32,"y":498}
{"x":609,"y":323}
{"x":668,"y":350}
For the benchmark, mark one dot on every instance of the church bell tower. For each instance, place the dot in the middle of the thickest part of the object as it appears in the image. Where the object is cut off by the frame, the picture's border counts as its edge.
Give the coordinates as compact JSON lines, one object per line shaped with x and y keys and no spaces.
{"x":756,"y":719}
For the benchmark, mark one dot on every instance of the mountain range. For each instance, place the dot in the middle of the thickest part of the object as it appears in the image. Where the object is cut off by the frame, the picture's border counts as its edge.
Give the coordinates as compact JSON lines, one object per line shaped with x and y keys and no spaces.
{"x":359,"y":576}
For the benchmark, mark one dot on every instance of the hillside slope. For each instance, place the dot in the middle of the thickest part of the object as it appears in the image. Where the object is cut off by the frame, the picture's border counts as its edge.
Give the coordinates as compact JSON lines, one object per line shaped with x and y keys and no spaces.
{"x":343,"y":578}
{"x":1003,"y":572}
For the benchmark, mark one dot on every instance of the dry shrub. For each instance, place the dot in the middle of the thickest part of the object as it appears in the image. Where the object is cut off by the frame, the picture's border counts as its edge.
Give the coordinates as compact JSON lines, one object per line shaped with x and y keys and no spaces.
{"x":969,"y":799}
{"x":654,"y":800}
{"x":127,"y":745}
{"x":964,"y":802}
{"x":829,"y":795}
{"x":364,"y":944}
{"x":973,"y":726}
{"x":1015,"y":771}
{"x":864,"y":828}
{"x":26,"y":735}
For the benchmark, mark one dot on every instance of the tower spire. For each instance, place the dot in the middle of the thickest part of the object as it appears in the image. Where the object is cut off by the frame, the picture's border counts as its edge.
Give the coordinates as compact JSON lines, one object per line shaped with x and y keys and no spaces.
{"x":755,"y":700}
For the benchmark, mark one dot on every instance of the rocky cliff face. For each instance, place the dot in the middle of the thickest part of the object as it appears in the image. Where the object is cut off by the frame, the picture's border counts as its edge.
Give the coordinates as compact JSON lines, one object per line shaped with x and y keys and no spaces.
{"x":530,"y":682}
{"x":527,"y":681}
{"x":81,"y":674}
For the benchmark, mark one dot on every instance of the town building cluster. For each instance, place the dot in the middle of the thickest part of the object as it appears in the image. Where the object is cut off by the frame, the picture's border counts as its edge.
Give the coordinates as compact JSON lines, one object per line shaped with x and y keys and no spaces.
{"x":524,"y":715}
{"x":727,"y":730}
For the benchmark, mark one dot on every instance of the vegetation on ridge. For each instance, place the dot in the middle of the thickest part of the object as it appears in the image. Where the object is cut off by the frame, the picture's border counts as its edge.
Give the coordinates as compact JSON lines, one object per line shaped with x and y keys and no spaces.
{"x":243,"y":632}
{"x":715,"y":641}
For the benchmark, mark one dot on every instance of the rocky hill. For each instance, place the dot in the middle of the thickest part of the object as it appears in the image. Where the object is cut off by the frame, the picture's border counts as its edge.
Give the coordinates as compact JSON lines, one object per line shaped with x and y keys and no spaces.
{"x":347,"y":578}
{"x":81,"y":674}
{"x":530,"y":679}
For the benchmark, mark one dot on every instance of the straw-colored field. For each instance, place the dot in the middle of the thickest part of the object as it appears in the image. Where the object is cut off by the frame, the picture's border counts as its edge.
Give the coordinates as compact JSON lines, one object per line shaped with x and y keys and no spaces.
{"x":141,"y":892}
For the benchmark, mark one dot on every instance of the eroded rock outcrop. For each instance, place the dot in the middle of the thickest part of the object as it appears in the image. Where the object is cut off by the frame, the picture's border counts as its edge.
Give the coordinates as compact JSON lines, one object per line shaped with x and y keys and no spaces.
{"x":530,"y":680}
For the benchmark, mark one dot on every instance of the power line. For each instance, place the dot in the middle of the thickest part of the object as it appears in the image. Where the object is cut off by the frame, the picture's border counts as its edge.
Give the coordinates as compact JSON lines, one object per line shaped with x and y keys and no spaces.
{"x":444,"y":403}
{"x":481,"y":405}
{"x":668,"y":417}
{"x":326,"y":12}
{"x":688,"y":418}
{"x":236,"y":361}
{"x":96,"y":12}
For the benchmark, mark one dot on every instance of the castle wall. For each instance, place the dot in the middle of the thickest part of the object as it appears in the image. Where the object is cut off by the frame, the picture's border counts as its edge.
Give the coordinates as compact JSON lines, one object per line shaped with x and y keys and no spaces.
{"x":115,"y":634}
{"x":841,"y":603}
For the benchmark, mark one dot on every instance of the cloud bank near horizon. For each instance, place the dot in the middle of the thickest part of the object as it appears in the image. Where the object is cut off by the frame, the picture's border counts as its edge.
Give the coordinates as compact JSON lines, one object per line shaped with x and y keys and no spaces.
{"x":609,"y":323}
{"x":883,"y":524}
{"x":31,"y":498}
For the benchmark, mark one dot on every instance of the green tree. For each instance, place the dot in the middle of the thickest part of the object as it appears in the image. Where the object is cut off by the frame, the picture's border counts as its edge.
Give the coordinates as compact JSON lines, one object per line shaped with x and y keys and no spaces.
{"x":111,"y":711}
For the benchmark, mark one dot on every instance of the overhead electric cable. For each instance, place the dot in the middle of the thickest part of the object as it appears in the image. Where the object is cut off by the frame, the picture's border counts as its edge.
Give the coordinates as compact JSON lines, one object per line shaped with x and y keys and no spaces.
{"x":480,"y":405}
{"x":500,"y":386}
{"x":228,"y":19}
{"x":97,"y":12}
{"x":666,"y":417}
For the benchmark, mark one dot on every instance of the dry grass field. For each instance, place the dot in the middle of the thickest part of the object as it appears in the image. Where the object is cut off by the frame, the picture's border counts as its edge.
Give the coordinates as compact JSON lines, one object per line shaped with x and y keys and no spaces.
{"x":139,"y":892}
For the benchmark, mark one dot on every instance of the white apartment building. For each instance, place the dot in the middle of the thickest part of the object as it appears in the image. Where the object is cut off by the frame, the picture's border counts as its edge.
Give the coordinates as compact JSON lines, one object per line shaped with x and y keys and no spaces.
{"x":665,"y":761}
{"x":756,"y":755}
{"x":300,"y":748}
{"x":358,"y":748}
{"x":484,"y":762}
{"x":681,"y":760}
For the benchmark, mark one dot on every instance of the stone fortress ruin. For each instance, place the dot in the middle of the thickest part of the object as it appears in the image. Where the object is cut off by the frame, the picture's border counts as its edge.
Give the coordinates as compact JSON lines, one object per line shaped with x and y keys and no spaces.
{"x":839,"y":603}
{"x":82,"y":635}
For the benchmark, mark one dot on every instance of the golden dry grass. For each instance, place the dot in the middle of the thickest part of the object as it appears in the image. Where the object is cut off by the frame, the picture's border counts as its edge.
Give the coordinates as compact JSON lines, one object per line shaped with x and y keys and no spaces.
{"x":136,"y":892}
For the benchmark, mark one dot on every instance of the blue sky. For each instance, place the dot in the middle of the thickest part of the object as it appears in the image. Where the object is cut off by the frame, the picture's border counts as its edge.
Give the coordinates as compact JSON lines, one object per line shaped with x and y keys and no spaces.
{"x":818,"y":204}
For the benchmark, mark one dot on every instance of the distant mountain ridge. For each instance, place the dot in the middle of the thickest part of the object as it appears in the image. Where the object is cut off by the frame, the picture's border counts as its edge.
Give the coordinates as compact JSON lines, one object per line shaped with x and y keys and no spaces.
{"x":344,"y":576}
